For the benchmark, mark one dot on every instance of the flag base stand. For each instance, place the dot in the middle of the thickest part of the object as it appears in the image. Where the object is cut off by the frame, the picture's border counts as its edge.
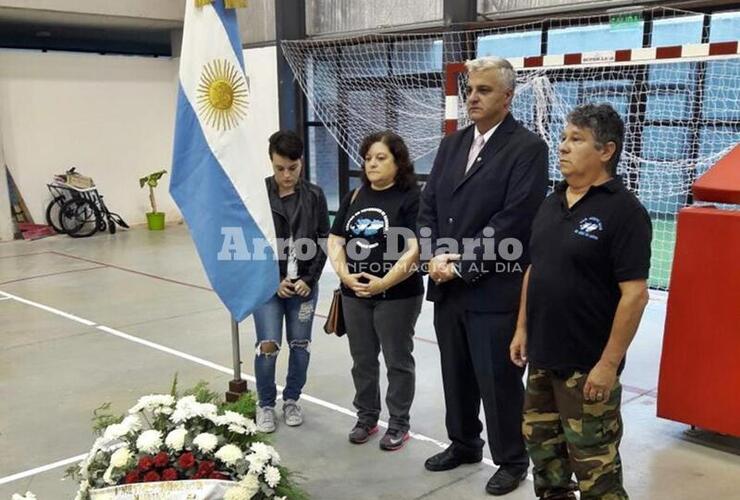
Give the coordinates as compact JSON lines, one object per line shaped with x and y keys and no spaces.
{"x":236,"y":389}
{"x":238,"y":385}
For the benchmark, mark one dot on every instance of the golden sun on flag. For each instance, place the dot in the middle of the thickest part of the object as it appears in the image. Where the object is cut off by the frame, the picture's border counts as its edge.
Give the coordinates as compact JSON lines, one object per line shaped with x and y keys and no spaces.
{"x":222,"y":95}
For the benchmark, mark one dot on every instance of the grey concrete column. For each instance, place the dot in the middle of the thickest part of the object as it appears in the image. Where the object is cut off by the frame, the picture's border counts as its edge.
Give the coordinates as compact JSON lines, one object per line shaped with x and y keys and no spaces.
{"x":457,"y":48}
{"x":290,"y":24}
{"x":459,"y":11}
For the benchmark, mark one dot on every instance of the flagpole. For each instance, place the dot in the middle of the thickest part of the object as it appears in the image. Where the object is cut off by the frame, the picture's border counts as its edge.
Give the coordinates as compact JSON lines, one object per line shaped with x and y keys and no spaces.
{"x":211,"y":133}
{"x":238,"y":386}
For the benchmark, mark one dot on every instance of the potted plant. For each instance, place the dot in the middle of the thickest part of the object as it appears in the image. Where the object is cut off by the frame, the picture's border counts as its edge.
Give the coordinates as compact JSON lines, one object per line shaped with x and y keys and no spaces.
{"x":154,"y":219}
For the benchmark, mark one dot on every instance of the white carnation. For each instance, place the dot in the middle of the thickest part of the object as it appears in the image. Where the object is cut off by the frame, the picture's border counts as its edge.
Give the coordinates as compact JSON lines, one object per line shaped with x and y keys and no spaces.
{"x":107,"y":476}
{"x":251,"y":426}
{"x":256,"y":464}
{"x":245,"y":489}
{"x":155,"y":403}
{"x":187,"y":408}
{"x":229,"y":454}
{"x":132,"y":423}
{"x":250,"y":484}
{"x":115,"y":431}
{"x":97,"y":445}
{"x":121,"y":457}
{"x":272,"y":476}
{"x":248,"y":427}
{"x":231,"y":417}
{"x":175,"y":440}
{"x":207,"y":410}
{"x":265,"y":452}
{"x":206,"y":441}
{"x":85,"y":464}
{"x":236,"y":493}
{"x":149,"y":441}
{"x":27,"y":496}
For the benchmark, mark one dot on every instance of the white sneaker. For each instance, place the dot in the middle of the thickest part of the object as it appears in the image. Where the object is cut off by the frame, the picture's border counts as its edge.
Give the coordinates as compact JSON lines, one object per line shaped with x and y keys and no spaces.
{"x":292,"y":413}
{"x":266,"y":419}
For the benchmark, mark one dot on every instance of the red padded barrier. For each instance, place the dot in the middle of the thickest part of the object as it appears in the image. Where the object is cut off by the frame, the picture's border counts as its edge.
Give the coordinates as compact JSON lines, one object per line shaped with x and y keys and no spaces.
{"x":700,"y":367}
{"x":721,"y":183}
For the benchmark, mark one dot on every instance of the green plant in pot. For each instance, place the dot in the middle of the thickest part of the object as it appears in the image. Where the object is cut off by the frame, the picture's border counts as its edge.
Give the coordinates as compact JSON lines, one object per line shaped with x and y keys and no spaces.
{"x":154,"y":219}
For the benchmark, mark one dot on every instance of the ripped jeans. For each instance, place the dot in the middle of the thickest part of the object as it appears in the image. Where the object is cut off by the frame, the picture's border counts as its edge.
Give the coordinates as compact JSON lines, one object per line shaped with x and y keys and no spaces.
{"x":268,"y":321}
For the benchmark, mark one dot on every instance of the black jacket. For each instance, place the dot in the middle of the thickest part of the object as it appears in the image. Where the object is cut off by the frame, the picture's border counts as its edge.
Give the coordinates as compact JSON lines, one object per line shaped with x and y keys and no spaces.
{"x":502,"y":190}
{"x":311,"y":221}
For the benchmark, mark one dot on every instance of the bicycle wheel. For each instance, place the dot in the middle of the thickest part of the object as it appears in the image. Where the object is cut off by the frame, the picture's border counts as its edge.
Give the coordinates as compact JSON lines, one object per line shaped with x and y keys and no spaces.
{"x":53,"y":212}
{"x":79,"y":218}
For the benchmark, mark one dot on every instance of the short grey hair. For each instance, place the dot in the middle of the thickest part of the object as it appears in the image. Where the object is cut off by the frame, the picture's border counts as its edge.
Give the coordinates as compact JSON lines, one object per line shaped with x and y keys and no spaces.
{"x":504,"y":67}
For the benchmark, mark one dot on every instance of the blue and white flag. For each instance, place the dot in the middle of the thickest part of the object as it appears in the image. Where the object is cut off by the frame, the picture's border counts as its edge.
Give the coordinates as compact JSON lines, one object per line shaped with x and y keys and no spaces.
{"x":222,"y":197}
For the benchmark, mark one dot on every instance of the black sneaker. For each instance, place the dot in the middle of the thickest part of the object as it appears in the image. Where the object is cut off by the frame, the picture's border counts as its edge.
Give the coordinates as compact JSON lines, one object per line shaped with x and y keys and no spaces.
{"x":394,"y":439}
{"x":361,"y":433}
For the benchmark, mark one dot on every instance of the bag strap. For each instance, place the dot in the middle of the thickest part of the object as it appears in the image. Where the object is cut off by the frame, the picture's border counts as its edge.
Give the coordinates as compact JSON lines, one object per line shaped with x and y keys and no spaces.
{"x":354,"y":196}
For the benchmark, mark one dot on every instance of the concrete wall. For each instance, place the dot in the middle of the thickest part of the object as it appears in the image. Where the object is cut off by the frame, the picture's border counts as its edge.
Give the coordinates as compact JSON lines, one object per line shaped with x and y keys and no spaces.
{"x":257,"y":22}
{"x":507,"y":8}
{"x":145,"y":9}
{"x":110,"y":116}
{"x":6,"y":225}
{"x":340,"y":16}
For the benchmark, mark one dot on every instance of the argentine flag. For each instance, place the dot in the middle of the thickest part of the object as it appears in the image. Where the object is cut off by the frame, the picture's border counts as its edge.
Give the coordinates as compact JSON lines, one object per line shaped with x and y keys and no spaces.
{"x":222,"y":198}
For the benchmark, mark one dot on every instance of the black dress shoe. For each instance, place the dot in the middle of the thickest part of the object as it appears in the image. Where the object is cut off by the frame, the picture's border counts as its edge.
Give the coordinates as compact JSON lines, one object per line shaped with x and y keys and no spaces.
{"x":505,"y":480}
{"x":564,"y":496}
{"x":449,"y":459}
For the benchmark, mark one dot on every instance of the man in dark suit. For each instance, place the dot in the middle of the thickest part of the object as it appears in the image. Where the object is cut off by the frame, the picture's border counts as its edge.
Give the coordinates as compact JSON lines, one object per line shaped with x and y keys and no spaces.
{"x":483,"y":192}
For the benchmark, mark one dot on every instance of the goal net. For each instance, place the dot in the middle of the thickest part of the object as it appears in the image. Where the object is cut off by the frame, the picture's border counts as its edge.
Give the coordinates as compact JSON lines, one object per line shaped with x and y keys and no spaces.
{"x":679,"y":101}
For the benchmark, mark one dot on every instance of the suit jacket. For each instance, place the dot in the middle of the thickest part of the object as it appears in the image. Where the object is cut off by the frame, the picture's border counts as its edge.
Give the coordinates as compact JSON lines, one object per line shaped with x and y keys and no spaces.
{"x":502,"y":190}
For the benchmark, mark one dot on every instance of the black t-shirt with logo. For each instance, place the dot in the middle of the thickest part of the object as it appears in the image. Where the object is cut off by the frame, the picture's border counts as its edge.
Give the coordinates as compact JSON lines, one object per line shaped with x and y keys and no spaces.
{"x":364,"y":225}
{"x":579,"y":256}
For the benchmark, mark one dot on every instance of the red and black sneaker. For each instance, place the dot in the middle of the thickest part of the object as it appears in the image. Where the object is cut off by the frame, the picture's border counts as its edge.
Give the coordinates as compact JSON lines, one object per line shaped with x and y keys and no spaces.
{"x":394,"y":439}
{"x":361,"y":433}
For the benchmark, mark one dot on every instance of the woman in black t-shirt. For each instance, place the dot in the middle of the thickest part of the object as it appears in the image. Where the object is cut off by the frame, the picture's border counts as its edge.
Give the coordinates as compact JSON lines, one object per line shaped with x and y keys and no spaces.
{"x":373,"y":249}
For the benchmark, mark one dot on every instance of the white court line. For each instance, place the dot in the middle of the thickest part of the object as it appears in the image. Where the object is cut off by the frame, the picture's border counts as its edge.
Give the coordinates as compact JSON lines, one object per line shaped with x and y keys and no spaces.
{"x":229,"y":371}
{"x":49,"y":309}
{"x":194,"y":359}
{"x":43,"y":468}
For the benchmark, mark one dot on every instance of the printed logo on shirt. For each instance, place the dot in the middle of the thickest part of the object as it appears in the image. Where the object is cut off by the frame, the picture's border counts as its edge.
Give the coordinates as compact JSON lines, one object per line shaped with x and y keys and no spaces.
{"x":590,"y":227}
{"x":369,"y":224}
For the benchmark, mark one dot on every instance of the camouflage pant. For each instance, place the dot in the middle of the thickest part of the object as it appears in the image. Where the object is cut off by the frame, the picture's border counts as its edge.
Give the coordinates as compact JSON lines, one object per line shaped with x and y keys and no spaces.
{"x":566,"y":434}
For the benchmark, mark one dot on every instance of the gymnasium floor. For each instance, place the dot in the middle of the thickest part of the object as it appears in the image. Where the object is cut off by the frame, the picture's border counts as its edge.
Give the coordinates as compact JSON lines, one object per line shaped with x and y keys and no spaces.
{"x":111,"y":318}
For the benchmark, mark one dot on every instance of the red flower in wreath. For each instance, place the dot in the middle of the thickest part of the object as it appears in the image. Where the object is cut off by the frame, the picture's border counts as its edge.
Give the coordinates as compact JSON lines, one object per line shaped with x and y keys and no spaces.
{"x":145,"y":463}
{"x":132,"y":477}
{"x":151,"y":476}
{"x":162,"y":459}
{"x":186,"y":460}
{"x":205,"y":468}
{"x":169,"y":474}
